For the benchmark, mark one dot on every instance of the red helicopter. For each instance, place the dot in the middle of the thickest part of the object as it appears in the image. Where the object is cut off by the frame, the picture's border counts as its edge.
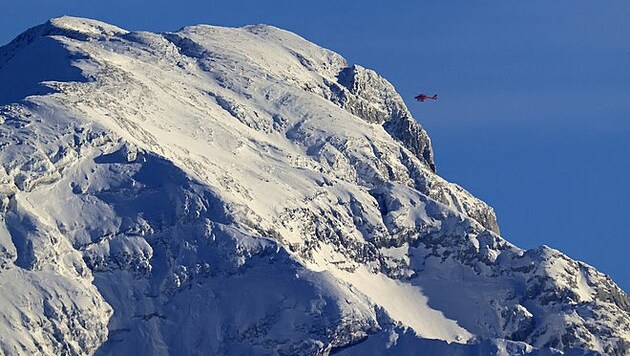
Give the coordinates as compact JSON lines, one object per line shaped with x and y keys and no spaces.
{"x":425,"y":97}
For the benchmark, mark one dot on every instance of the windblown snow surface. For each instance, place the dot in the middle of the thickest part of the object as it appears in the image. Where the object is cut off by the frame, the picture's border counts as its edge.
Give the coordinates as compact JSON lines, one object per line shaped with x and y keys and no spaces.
{"x":232,"y":191}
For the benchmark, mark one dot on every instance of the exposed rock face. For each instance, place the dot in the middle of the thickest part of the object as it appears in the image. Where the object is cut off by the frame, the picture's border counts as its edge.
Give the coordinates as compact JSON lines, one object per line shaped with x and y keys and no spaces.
{"x":372,"y":98}
{"x":244,"y":191}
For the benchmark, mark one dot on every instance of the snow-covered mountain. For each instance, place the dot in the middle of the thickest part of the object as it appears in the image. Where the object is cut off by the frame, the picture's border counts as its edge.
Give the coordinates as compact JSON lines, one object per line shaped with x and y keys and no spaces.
{"x":239,"y":191}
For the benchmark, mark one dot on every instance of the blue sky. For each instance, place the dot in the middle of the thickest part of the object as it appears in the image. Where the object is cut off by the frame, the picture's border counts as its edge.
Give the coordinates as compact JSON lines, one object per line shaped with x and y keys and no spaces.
{"x":534,"y":109}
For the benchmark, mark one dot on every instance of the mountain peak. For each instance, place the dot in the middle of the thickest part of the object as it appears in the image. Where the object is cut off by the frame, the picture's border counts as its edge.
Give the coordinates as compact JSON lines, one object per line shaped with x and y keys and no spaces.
{"x":87,"y":27}
{"x":68,"y":26}
{"x":246,"y":191}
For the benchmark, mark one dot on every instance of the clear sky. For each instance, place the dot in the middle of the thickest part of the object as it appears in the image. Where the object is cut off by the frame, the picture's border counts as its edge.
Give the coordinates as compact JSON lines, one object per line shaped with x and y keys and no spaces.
{"x":534,"y":109}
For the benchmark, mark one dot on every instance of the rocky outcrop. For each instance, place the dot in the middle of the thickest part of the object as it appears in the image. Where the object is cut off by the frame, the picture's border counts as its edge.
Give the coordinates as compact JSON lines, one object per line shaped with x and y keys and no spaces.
{"x":369,"y":96}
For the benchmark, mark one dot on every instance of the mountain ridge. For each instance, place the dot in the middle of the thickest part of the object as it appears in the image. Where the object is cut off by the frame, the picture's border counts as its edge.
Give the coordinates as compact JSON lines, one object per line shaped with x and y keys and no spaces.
{"x":249,"y":182}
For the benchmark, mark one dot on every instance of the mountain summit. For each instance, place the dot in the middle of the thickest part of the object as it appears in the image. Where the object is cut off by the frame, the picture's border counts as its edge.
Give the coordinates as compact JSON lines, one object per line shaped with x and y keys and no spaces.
{"x":237,"y":191}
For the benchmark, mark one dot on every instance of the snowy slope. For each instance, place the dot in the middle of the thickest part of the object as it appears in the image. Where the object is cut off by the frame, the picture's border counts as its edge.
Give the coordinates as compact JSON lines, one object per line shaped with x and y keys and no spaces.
{"x":244,"y":191}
